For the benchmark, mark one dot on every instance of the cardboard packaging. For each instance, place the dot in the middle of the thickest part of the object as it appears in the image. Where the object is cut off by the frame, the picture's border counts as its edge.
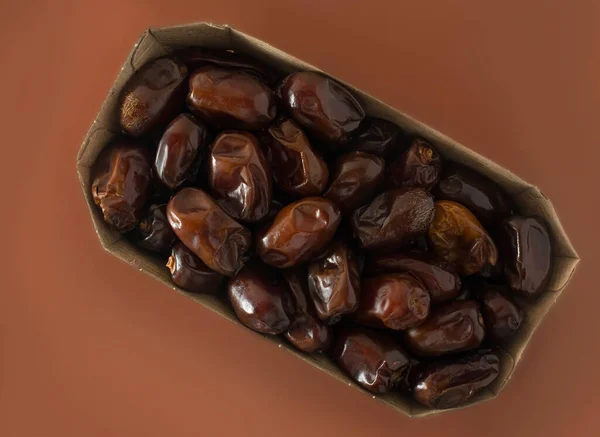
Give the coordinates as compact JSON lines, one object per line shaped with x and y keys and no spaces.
{"x":529,"y":199}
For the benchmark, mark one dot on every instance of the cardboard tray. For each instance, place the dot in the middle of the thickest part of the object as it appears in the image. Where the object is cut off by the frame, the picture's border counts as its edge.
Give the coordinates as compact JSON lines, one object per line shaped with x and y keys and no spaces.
{"x":528,"y":198}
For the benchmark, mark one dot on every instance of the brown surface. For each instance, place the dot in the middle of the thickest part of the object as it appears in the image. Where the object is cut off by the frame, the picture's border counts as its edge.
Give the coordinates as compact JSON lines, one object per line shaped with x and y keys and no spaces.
{"x":90,"y":346}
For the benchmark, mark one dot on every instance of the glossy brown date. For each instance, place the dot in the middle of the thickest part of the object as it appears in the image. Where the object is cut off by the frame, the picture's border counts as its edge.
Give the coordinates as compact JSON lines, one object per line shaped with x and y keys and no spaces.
{"x":501,"y":315}
{"x":196,"y":57}
{"x":154,"y":231}
{"x":299,"y":232}
{"x":217,"y":239}
{"x":442,"y":283}
{"x":418,"y":166}
{"x":483,"y":197}
{"x":152,"y":96}
{"x":393,"y":218}
{"x":240,"y":176}
{"x":372,"y":359}
{"x":449,"y":383}
{"x":397,"y":301}
{"x":178,"y":153}
{"x":355,"y":178}
{"x":457,"y":237}
{"x":306,"y":331}
{"x":297,"y":168}
{"x":230,"y":99}
{"x":121,"y":183}
{"x":321,"y":105}
{"x":190,"y":273}
{"x":377,"y":136}
{"x":526,"y":254}
{"x":261,"y":299}
{"x":334,"y":282}
{"x":454,"y":327}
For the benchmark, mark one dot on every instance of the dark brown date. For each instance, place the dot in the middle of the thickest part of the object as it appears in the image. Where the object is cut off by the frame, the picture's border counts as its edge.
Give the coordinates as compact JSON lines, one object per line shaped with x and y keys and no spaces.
{"x":449,"y":383}
{"x":372,"y":359}
{"x":442,"y":283}
{"x":299,"y":232}
{"x":457,"y":237}
{"x":396,"y":301}
{"x":321,"y":105}
{"x":196,"y":57}
{"x":418,"y":166}
{"x":356,"y":177}
{"x":501,"y":316}
{"x":478,"y":193}
{"x":121,"y":183}
{"x":334,"y":282}
{"x":261,"y":299}
{"x":297,"y":168}
{"x":454,"y":327}
{"x":527,"y":254}
{"x":206,"y":230}
{"x":306,"y":331}
{"x":240,"y":176}
{"x":179,"y":150}
{"x":377,"y":136}
{"x":155,"y":233}
{"x":152,"y":96}
{"x":230,"y":99}
{"x":190,"y":273}
{"x":393,"y":218}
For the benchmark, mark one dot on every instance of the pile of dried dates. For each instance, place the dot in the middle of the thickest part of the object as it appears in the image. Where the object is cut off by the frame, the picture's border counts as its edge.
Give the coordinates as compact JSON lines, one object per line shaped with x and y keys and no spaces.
{"x":337,"y":230}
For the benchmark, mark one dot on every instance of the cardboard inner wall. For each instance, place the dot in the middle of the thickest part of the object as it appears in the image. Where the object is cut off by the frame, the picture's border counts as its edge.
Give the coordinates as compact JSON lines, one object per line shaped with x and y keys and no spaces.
{"x":529,"y":199}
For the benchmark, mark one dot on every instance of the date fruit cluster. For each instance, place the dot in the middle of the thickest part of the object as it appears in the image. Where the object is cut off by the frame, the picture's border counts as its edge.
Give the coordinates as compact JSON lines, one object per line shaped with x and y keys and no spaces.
{"x":336,"y":230}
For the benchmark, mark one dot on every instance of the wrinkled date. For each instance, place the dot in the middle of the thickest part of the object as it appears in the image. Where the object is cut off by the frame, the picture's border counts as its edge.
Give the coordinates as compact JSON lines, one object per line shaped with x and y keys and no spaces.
{"x":306,"y":331}
{"x":299,"y":232}
{"x":297,"y":168}
{"x":240,"y":176}
{"x":121,"y":183}
{"x":206,"y":230}
{"x":501,"y":315}
{"x":321,"y":105}
{"x":376,"y":362}
{"x":230,"y":99}
{"x":442,"y":283}
{"x":155,"y":233}
{"x":446,"y":384}
{"x":153,"y":96}
{"x":481,"y":195}
{"x":458,"y":237}
{"x":396,"y":301}
{"x":334,"y":282}
{"x":419,"y":166}
{"x":393,"y":218}
{"x":261,"y":299}
{"x":177,"y":157}
{"x":526,"y":254}
{"x":190,"y":273}
{"x":356,"y":177}
{"x":454,"y":327}
{"x":377,"y":136}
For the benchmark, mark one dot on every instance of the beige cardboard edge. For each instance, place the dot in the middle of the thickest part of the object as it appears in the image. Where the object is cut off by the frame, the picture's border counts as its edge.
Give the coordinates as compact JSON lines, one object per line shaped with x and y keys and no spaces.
{"x":157,"y":42}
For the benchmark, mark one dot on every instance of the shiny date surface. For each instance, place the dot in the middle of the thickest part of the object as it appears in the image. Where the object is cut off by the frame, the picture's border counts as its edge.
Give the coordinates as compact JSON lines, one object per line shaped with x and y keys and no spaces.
{"x":419,"y":166}
{"x":121,"y":183}
{"x":454,"y":327}
{"x":397,"y":301}
{"x":321,"y":105}
{"x":334,"y":282}
{"x":377,"y":136}
{"x":190,"y":273}
{"x":502,"y":317}
{"x":240,"y":176}
{"x":299,"y":232}
{"x":217,"y":239}
{"x":155,"y":232}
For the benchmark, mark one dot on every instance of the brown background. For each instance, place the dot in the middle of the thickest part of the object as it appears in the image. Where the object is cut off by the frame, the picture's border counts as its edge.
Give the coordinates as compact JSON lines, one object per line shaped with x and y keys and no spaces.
{"x":89,"y":346}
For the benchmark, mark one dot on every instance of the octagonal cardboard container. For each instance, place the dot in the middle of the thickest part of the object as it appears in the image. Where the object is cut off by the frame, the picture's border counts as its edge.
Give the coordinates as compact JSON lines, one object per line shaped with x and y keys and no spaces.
{"x":529,"y":199}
